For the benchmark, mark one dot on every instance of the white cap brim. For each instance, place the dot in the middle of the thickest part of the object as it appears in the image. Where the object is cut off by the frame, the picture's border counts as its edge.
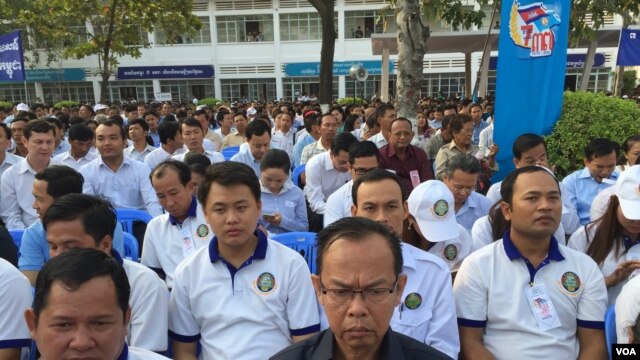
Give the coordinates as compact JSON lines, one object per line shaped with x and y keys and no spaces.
{"x":439,"y":231}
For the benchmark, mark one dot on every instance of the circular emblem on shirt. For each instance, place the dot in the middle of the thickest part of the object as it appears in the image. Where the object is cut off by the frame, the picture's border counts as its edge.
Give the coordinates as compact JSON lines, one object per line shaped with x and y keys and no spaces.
{"x":570,"y":281}
{"x":440,"y":208}
{"x":413,"y":301}
{"x":450,"y":252}
{"x":202,"y":230}
{"x":266,"y":282}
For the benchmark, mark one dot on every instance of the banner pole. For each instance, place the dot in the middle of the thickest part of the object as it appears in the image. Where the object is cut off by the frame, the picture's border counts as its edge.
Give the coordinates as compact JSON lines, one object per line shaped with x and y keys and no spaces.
{"x":26,"y":92}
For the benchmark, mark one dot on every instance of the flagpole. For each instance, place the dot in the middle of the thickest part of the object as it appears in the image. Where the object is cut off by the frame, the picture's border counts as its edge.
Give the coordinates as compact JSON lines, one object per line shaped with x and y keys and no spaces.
{"x":26,"y":93}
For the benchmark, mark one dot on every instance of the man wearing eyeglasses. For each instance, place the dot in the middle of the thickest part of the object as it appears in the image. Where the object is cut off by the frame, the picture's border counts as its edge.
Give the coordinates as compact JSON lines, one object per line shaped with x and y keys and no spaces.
{"x":408,"y":161}
{"x":461,"y":176}
{"x":363,"y":157}
{"x":359,"y":283}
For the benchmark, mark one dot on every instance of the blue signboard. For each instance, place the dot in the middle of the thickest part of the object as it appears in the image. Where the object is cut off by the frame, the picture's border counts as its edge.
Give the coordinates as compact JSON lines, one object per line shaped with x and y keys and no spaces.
{"x":573,"y":61}
{"x":11,"y":60}
{"x":629,"y":49}
{"x":53,"y":75}
{"x":340,"y":68}
{"x":165,"y":72}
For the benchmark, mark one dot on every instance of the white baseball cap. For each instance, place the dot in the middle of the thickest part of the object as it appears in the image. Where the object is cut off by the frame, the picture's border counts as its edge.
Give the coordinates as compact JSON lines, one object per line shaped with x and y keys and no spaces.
{"x":431,"y":204}
{"x":201,"y":107}
{"x":22,"y":107}
{"x":628,"y":192}
{"x":251,"y":111}
{"x":99,"y":107}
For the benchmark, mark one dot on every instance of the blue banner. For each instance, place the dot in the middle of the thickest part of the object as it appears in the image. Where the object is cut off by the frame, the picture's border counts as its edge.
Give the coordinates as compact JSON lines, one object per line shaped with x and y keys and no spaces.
{"x":165,"y":72}
{"x":574,"y":61}
{"x":374,"y":67}
{"x":531,"y":69}
{"x":11,"y":60}
{"x":629,"y":48}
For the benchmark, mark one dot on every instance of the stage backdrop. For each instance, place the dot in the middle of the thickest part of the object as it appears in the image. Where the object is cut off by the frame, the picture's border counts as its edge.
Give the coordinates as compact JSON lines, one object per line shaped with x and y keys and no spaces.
{"x":532,"y":60}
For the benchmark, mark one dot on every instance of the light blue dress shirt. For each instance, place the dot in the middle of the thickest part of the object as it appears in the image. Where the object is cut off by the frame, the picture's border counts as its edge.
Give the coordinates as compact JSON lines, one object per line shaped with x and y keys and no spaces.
{"x":583,"y":189}
{"x":290,"y":203}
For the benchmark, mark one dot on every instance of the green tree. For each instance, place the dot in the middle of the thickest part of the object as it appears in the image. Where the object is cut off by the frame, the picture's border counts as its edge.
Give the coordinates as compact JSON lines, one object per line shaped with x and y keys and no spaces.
{"x":108,"y":29}
{"x":326,"y":11}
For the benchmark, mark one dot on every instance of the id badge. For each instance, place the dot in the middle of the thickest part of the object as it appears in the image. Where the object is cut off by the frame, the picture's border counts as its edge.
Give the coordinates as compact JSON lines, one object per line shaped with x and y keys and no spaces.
{"x":187,"y":243}
{"x":415,"y":177}
{"x":542,"y":307}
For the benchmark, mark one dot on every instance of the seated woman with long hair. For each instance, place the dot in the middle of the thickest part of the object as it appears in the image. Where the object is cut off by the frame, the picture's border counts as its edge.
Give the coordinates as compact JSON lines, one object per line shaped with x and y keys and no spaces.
{"x":611,"y":240}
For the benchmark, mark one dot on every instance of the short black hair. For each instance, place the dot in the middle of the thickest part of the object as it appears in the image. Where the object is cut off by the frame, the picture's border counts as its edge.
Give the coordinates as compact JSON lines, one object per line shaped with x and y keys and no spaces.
{"x":464,"y":162}
{"x":342,"y":142}
{"x":599,"y":147}
{"x":227,"y":174}
{"x":402,"y":119}
{"x":382,"y":109}
{"x":376,"y":175}
{"x":80,"y":132}
{"x":458,"y":121}
{"x":356,"y":229}
{"x":191,"y":122}
{"x":38,"y":126}
{"x":97,"y":215}
{"x":150,"y":112}
{"x":61,"y":180}
{"x":76,"y":267}
{"x":129,"y":108}
{"x":193,"y":157}
{"x":110,"y":123}
{"x":257,"y":128}
{"x":220,"y":115}
{"x":360,"y":149}
{"x":6,"y":129}
{"x":446,"y":121}
{"x":276,"y":158}
{"x":168,"y":130}
{"x":143,"y":124}
{"x":506,"y":189}
{"x":184,"y":174}
{"x":526,"y":142}
{"x":312,"y":118}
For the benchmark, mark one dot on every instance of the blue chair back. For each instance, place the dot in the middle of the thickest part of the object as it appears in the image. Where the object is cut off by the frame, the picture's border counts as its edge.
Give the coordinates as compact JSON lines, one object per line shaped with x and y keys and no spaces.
{"x":610,"y":328}
{"x":16,"y":235}
{"x":302,"y":242}
{"x":230,"y":151}
{"x":126,"y":217}
{"x":295,"y":176}
{"x":130,"y":247}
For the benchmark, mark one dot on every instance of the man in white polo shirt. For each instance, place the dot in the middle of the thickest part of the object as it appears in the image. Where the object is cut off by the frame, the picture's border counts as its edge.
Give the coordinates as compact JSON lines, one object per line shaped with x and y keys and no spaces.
{"x":85,"y":221}
{"x":193,"y":137}
{"x":170,"y":144}
{"x":427,"y":311}
{"x":81,"y":143}
{"x":243,"y":296}
{"x":173,"y":236}
{"x":526,"y":296}
{"x":15,"y":298}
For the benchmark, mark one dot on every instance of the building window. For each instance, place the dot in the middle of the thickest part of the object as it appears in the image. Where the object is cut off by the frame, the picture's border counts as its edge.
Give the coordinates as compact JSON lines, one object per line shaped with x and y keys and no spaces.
{"x":361,"y":24}
{"x":368,"y":88}
{"x":449,"y":84}
{"x":75,"y":91}
{"x":248,"y":89}
{"x":130,"y":91}
{"x":305,"y":26}
{"x":294,"y":87}
{"x":185,"y":90}
{"x":249,"y":28}
{"x":202,"y":36}
{"x":16,"y":93}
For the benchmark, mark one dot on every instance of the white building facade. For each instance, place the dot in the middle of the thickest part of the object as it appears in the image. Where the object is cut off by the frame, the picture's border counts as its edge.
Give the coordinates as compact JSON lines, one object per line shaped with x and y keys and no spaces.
{"x":224,"y":60}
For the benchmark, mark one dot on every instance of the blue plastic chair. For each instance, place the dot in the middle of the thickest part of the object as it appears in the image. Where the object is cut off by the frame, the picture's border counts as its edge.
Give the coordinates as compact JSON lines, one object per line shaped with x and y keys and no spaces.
{"x":302,"y":242}
{"x":610,"y":328}
{"x":126,"y":217}
{"x":130,"y":247}
{"x":295,"y":176}
{"x":16,"y":235}
{"x":229,"y":152}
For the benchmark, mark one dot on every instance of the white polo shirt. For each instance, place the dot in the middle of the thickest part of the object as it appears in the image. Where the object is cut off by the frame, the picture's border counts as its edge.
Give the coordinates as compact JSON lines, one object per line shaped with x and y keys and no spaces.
{"x":475,"y":207}
{"x":159,"y":155}
{"x":452,"y":252}
{"x":245,"y":313}
{"x":490,"y":292}
{"x":322,"y":180}
{"x":338,"y":204}
{"x":627,"y":309}
{"x":66,"y":159}
{"x":136,"y":353}
{"x":15,"y":298}
{"x":379,"y":140}
{"x":427,"y":312}
{"x":165,"y":246}
{"x":578,"y":241}
{"x":149,"y":307}
{"x":213,"y":156}
{"x":482,"y":233}
{"x":601,"y":202}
